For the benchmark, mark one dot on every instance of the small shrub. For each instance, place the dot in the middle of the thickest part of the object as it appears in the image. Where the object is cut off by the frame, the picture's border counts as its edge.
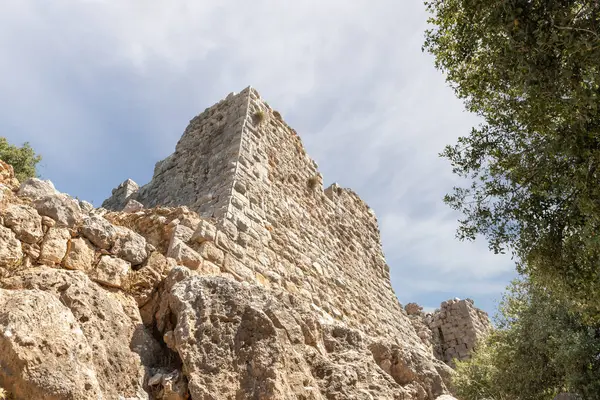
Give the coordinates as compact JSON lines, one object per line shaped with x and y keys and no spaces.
{"x":23,"y":159}
{"x":277,"y":115}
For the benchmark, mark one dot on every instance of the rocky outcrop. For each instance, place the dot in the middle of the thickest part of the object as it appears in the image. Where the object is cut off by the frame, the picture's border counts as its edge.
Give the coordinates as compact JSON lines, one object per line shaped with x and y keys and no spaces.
{"x":229,"y":281}
{"x":241,"y":341}
{"x":82,"y":331}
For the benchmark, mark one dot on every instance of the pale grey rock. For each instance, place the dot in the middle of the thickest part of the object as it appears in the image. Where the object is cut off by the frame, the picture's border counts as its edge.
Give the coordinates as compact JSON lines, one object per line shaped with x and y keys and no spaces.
{"x":61,"y":208}
{"x":43,"y":351}
{"x":99,"y":231}
{"x":34,"y":188}
{"x":54,"y":246}
{"x":25,"y":222}
{"x":453,"y":331}
{"x":217,"y":324}
{"x":181,"y":232}
{"x":85,"y":206}
{"x":11,"y":251}
{"x":130,"y":246}
{"x":133,"y":206}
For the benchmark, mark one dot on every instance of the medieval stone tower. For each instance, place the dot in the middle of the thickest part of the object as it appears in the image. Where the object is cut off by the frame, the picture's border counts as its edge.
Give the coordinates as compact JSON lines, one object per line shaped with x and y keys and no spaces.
{"x":240,"y":164}
{"x":232,"y":274}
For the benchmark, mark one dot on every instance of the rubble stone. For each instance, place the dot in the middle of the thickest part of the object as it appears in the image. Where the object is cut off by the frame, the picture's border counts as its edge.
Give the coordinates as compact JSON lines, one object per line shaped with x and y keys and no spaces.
{"x":25,"y":222}
{"x":34,"y":188}
{"x":61,"y":208}
{"x":54,"y":246}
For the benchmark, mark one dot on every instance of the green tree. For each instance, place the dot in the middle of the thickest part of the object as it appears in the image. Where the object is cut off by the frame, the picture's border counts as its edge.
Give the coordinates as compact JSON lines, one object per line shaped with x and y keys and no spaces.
{"x":539,"y":349}
{"x":23,"y":159}
{"x":531,"y":70}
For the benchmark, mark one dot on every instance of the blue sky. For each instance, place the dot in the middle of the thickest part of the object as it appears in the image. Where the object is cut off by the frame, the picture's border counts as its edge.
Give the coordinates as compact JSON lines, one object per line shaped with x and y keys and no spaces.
{"x":104,"y":89}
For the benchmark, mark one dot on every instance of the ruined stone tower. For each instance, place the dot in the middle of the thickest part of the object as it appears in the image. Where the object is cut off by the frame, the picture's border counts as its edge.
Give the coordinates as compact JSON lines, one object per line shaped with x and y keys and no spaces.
{"x":231,"y":275}
{"x":239,"y":163}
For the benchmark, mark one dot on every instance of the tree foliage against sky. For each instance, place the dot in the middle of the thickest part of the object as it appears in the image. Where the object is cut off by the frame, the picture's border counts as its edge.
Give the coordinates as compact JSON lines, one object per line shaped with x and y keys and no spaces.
{"x":23,"y":159}
{"x":531,"y":70}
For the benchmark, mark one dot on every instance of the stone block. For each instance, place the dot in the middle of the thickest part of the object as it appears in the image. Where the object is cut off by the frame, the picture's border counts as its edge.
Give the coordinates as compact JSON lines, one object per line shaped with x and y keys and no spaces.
{"x":111,"y":271}
{"x":80,"y":255}
{"x":54,"y":246}
{"x":11,"y":252}
{"x":205,"y":231}
{"x":209,"y":251}
{"x":25,"y":222}
{"x":185,"y":255}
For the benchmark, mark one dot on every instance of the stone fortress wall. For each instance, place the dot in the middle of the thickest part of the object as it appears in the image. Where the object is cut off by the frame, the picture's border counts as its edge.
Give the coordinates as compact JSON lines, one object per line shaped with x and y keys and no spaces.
{"x":233,"y":255}
{"x":240,"y":164}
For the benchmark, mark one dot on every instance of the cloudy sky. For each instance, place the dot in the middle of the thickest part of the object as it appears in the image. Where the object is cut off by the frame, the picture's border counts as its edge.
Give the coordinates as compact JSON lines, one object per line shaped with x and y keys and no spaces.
{"x":104,"y":89}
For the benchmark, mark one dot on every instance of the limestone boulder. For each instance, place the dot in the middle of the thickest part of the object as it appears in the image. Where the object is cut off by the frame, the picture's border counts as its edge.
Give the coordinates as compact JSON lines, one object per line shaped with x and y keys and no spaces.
{"x":54,"y":247}
{"x":85,"y":206}
{"x":217,"y":325}
{"x":110,"y":324}
{"x":130,"y":246}
{"x":99,"y":231}
{"x":205,"y":231}
{"x":81,"y":255}
{"x":25,"y":222}
{"x":11,"y":251}
{"x":144,"y":282}
{"x":43,"y":351}
{"x":133,"y":206}
{"x":34,"y":188}
{"x":111,"y":271}
{"x":61,"y":208}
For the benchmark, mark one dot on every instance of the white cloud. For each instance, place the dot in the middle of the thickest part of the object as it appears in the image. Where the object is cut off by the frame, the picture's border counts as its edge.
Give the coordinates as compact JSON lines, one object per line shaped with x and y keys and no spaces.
{"x":108,"y":84}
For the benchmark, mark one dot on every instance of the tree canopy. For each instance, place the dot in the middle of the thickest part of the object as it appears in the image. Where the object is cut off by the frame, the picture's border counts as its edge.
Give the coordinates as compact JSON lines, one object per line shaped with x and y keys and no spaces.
{"x":23,"y":159}
{"x":531,"y":70}
{"x":541,"y":348}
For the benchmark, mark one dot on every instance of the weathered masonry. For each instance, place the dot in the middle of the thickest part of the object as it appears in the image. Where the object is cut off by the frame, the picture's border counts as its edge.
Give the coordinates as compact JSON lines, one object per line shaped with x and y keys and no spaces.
{"x":239,"y":163}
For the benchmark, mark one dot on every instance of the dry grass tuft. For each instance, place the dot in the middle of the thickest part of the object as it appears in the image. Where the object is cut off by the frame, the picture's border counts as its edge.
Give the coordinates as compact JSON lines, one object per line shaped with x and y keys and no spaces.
{"x":259,"y":117}
{"x":313,"y":182}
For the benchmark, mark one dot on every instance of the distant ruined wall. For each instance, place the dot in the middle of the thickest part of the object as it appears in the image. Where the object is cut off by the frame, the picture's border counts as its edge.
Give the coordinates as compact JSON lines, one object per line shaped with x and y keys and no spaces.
{"x":241,"y":164}
{"x":453,"y":331}
{"x":457,"y":328}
